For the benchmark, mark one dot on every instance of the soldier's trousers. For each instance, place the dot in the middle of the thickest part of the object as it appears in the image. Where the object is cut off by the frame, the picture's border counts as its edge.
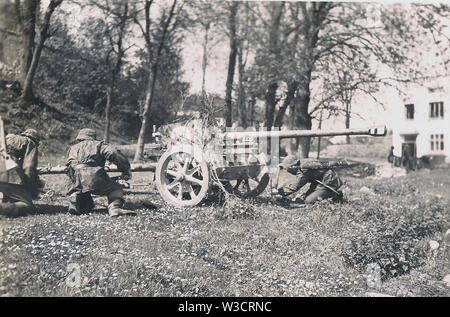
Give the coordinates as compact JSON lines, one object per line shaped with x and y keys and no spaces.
{"x":318,"y":193}
{"x":314,"y":193}
{"x":17,"y":200}
{"x":83,"y":202}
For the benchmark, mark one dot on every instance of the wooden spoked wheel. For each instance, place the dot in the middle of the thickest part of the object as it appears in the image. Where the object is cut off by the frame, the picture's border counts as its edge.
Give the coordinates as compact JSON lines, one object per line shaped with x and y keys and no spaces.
{"x":182,"y":177}
{"x":248,"y":187}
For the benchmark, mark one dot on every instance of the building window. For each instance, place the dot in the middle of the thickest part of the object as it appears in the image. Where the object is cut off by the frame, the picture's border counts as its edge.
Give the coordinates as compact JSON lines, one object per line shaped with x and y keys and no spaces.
{"x":436,"y":109}
{"x":409,"y":111}
{"x":437,"y":142}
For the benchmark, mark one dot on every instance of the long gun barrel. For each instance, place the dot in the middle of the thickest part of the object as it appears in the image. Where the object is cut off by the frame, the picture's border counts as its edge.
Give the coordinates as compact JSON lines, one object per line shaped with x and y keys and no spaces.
{"x":374,"y":131}
{"x":147,"y":167}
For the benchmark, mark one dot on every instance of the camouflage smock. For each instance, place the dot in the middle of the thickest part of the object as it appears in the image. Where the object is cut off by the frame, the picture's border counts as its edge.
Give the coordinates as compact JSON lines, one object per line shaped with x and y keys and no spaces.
{"x":24,"y":151}
{"x":86,"y":162}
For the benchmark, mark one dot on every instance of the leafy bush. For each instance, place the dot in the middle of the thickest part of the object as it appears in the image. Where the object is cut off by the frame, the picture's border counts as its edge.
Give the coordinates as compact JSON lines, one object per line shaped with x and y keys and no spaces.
{"x":392,"y":234}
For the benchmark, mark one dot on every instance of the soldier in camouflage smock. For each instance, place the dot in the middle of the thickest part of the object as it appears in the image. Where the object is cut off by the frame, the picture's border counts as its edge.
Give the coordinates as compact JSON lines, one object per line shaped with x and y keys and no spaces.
{"x":86,"y":161}
{"x":324,"y":183}
{"x":21,"y":185}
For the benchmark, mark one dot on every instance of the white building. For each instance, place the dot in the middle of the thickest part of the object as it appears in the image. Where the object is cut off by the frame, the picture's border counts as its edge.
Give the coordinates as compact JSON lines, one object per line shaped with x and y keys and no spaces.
{"x":421,"y":124}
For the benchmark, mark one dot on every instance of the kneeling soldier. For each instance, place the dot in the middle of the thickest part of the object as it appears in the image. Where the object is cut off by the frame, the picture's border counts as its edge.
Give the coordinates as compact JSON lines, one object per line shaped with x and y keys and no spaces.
{"x":85,"y":162}
{"x":324,"y":183}
{"x":20,"y":185}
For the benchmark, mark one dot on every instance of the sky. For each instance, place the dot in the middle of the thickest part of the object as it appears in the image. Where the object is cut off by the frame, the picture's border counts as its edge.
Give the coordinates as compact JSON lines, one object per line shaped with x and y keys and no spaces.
{"x":216,"y":70}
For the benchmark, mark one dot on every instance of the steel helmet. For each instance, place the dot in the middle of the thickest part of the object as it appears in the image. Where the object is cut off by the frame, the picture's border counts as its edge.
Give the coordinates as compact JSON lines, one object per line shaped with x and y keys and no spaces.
{"x":32,"y":134}
{"x":86,"y":134}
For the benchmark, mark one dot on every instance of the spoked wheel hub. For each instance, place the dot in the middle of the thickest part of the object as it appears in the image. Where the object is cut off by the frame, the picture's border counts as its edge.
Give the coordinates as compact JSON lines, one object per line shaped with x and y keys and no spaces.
{"x":182,"y":176}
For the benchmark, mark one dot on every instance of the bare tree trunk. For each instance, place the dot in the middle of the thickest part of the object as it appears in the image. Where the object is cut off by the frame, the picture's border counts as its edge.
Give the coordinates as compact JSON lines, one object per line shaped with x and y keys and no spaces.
{"x":271,"y":102}
{"x":231,"y":64}
{"x":140,"y":142}
{"x":347,"y":119}
{"x":28,"y":22}
{"x":205,"y":58}
{"x":109,"y":101}
{"x":27,"y":93}
{"x":252,"y":110}
{"x":314,"y":13}
{"x":292,"y":88}
{"x":293,"y":144}
{"x":304,"y":143}
{"x":303,"y":119}
{"x":115,"y":71}
{"x":274,"y":48}
{"x":241,"y":94}
{"x":150,"y":89}
{"x":320,"y":127}
{"x":108,"y":114}
{"x":18,"y":13}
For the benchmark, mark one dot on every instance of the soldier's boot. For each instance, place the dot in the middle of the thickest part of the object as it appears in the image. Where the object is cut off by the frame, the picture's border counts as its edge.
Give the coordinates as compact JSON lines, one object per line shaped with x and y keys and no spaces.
{"x":80,"y":203}
{"x":15,"y":209}
{"x":116,"y":201}
{"x":74,"y":207}
{"x":86,"y":202}
{"x":115,"y":209}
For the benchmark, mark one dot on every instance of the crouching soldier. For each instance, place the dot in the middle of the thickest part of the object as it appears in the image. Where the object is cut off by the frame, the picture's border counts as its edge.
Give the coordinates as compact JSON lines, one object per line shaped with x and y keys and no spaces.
{"x":85,"y":165}
{"x":324,"y":183}
{"x":20,"y":184}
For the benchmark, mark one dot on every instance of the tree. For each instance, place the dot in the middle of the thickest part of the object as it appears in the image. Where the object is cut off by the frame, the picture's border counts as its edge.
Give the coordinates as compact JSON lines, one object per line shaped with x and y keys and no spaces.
{"x":72,"y":65}
{"x":153,"y":73}
{"x":308,"y":21}
{"x":206,"y":16}
{"x":122,"y":17}
{"x":117,"y":18}
{"x":271,"y":74}
{"x":341,"y":81}
{"x":425,"y":29}
{"x":245,"y":98}
{"x":28,"y":34}
{"x":26,"y":13}
{"x":75,"y":73}
{"x":300,"y":38}
{"x":274,"y":53}
{"x":233,"y":8}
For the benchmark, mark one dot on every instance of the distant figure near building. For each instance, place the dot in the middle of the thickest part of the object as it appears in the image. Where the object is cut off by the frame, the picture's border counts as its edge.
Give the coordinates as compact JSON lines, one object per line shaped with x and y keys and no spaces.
{"x":407,"y":160}
{"x":324,"y":183}
{"x":86,"y":161}
{"x":390,"y":157}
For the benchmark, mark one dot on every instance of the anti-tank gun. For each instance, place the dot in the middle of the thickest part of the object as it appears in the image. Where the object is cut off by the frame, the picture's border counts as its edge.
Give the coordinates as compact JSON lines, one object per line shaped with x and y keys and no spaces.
{"x":190,"y":165}
{"x":195,"y":158}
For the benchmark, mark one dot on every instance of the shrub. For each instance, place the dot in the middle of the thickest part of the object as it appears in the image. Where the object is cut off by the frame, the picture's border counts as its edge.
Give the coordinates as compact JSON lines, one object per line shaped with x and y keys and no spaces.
{"x":391,"y":233}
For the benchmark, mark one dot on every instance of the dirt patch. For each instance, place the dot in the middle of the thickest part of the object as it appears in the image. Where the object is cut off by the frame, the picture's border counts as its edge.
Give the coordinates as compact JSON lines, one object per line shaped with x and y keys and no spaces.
{"x":386,"y":170}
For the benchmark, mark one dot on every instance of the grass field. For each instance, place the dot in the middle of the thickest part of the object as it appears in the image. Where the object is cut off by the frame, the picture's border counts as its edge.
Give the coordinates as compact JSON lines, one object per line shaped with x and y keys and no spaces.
{"x":376,"y":241}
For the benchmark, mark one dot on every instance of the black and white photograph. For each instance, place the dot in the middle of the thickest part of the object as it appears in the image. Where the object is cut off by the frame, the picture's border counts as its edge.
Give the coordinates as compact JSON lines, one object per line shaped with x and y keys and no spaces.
{"x":224,"y":154}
